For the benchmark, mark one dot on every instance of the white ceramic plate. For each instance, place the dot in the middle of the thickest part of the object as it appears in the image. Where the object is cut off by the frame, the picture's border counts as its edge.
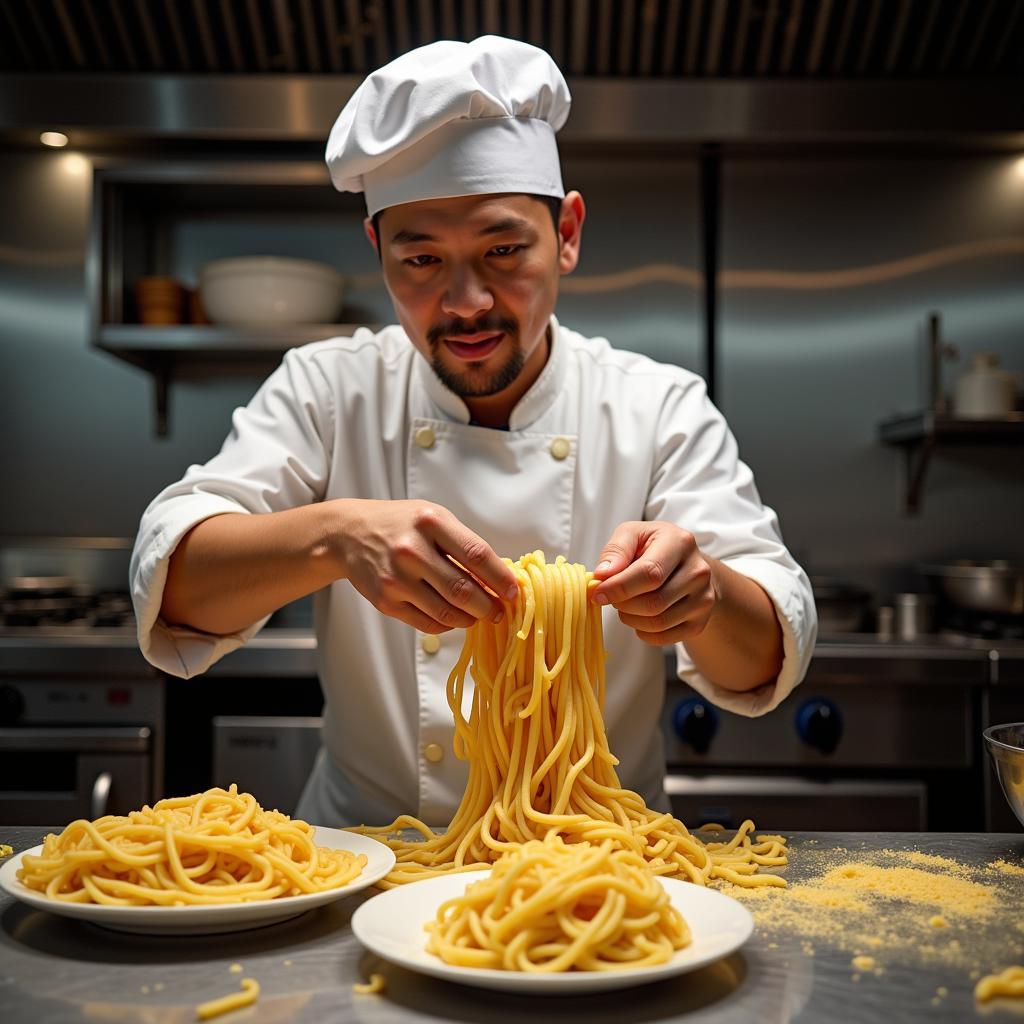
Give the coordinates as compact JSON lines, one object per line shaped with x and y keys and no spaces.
{"x":203,"y":920}
{"x":392,"y":926}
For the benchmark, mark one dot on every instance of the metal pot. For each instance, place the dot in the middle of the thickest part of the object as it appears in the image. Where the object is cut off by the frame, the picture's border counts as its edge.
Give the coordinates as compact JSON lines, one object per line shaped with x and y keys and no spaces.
{"x":842,"y":607}
{"x":995,"y":587}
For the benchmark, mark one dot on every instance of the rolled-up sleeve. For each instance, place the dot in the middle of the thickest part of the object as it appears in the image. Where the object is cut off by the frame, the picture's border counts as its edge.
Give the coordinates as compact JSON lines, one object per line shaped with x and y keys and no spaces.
{"x":277,"y":456}
{"x":700,"y":483}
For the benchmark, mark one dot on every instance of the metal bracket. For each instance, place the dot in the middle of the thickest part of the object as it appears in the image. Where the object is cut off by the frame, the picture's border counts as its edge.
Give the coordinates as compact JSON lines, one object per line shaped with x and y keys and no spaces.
{"x":917,"y":458}
{"x":161,"y":393}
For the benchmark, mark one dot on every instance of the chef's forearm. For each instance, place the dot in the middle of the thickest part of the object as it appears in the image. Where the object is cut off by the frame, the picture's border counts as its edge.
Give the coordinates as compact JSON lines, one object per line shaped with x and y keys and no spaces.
{"x":231,"y":570}
{"x":741,"y":646}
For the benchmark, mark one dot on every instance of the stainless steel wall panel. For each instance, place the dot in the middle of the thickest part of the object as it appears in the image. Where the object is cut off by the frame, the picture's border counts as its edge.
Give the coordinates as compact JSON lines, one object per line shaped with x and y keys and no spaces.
{"x":638,"y":281}
{"x":829,"y":269}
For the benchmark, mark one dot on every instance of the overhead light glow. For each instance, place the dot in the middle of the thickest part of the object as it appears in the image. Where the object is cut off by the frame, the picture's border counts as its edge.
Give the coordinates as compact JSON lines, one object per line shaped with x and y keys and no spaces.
{"x":55,"y":139}
{"x":1019,"y":166}
{"x":74,"y":164}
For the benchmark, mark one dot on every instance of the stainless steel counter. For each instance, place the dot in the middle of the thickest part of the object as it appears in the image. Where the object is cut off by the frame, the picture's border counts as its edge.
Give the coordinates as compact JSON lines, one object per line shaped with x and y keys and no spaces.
{"x":56,"y":970}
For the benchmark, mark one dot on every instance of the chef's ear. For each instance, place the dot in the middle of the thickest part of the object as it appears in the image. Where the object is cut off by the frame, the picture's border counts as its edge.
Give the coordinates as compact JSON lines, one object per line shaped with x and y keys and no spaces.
{"x":570,"y":231}
{"x":370,"y":227}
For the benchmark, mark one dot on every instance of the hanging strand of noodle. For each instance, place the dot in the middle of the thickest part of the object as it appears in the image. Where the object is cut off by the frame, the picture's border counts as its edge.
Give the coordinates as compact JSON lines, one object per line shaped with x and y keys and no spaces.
{"x":538,"y":753}
{"x":551,"y":906}
{"x":215,"y":847}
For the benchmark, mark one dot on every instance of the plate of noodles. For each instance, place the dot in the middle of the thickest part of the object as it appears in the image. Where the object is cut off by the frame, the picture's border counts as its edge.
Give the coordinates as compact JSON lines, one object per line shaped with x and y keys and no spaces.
{"x":213,"y":862}
{"x":698,"y":926}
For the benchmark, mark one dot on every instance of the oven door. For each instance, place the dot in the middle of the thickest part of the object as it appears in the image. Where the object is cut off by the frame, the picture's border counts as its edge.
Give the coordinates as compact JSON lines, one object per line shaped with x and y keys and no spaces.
{"x":54,"y":774}
{"x":789,"y":803}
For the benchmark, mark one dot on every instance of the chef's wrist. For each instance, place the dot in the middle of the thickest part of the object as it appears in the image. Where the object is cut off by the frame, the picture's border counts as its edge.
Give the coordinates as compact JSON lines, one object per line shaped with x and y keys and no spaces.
{"x":334,"y":530}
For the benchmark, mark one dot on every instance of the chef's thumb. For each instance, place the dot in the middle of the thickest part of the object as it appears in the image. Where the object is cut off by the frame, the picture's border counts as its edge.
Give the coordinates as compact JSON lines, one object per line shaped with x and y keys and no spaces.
{"x":618,"y":552}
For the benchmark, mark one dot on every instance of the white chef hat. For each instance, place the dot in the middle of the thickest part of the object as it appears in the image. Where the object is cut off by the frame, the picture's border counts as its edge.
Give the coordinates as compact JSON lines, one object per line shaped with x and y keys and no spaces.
{"x":452,"y":119}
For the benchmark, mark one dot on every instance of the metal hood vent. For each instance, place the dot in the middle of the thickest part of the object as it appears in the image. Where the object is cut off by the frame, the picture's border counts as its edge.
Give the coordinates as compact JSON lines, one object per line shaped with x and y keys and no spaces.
{"x":674,"y":39}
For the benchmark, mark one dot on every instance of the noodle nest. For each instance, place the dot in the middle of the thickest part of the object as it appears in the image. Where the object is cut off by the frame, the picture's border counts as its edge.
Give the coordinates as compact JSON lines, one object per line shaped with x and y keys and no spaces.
{"x":216,"y":847}
{"x":550,"y":906}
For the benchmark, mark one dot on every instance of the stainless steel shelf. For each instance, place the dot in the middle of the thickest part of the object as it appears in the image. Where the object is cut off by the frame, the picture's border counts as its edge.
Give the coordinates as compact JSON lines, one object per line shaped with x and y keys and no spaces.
{"x":920,"y":426}
{"x":921,"y":433}
{"x":165,"y":352}
{"x":217,"y":340}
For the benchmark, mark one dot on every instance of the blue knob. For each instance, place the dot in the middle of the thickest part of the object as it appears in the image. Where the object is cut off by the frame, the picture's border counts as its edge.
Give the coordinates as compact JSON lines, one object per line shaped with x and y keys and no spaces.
{"x":819,"y":724}
{"x":696,"y":723}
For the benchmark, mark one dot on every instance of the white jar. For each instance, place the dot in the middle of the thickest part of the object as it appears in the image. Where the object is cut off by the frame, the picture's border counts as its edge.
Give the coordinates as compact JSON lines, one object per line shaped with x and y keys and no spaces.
{"x":985,"y":391}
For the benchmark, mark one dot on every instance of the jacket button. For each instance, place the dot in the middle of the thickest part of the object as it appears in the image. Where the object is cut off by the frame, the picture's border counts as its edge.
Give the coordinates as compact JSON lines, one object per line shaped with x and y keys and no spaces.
{"x":433,"y":752}
{"x":431,"y":644}
{"x":425,"y":437}
{"x":560,"y":448}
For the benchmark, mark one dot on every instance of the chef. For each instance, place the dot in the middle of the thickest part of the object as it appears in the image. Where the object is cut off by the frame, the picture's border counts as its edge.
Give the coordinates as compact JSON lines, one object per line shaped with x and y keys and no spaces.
{"x":478,"y":427}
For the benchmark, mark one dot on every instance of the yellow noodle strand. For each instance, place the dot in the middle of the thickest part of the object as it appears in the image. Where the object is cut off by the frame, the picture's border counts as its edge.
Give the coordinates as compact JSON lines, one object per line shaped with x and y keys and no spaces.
{"x":538,"y":752}
{"x":215,"y":1007}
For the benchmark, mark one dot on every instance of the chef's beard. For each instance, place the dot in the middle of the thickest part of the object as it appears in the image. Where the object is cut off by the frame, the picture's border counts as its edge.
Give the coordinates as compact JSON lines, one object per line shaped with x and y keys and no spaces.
{"x":469,"y":385}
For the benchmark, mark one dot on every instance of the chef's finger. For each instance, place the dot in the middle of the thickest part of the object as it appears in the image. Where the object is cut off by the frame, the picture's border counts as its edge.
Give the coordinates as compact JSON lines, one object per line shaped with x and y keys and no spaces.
{"x":650,"y":570}
{"x":620,"y":550}
{"x":412,"y":616}
{"x":694,"y":608}
{"x":675,"y":635}
{"x":471,"y":552}
{"x":459,"y":589}
{"x":438,"y":607}
{"x":679,"y":586}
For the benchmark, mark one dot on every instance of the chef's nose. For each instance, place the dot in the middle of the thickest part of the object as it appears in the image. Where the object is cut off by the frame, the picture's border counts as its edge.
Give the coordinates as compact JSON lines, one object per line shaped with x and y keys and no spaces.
{"x":466,"y":295}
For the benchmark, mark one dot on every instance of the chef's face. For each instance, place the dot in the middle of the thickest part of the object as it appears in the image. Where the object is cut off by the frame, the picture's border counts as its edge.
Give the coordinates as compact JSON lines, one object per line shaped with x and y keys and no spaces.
{"x":474,"y":281}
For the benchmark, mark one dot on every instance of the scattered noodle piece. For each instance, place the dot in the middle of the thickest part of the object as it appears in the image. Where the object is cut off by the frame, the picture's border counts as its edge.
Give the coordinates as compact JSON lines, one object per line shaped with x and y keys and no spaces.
{"x":5,"y":850}
{"x":236,"y":968}
{"x":371,"y":988}
{"x":538,"y":752}
{"x":1009,"y":983}
{"x":552,"y":906}
{"x":938,"y":921}
{"x":215,"y":1007}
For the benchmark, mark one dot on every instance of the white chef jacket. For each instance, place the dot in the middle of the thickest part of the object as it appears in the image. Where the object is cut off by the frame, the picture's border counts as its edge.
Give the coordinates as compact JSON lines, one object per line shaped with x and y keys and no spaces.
{"x":603,"y":436}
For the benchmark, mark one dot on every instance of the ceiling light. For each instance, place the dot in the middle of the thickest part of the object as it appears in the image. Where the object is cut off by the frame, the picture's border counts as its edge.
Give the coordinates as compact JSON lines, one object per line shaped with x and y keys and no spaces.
{"x":55,"y":139}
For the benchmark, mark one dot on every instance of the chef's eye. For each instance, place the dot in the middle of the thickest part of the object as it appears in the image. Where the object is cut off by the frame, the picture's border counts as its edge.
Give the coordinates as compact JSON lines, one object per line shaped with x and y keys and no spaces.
{"x":506,"y":250}
{"x":423,"y":260}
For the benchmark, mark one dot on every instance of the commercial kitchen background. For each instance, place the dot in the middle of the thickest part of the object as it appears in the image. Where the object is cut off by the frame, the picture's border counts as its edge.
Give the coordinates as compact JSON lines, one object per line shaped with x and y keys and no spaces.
{"x":845,"y":214}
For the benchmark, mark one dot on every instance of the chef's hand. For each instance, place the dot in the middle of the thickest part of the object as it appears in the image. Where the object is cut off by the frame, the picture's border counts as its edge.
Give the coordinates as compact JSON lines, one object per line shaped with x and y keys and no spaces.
{"x":656,"y":578}
{"x":398,"y":555}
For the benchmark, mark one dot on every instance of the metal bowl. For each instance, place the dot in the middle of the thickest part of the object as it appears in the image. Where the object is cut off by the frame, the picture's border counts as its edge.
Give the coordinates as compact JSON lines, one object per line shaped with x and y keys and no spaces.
{"x":842,"y":607}
{"x":1006,"y":745}
{"x":994,"y":587}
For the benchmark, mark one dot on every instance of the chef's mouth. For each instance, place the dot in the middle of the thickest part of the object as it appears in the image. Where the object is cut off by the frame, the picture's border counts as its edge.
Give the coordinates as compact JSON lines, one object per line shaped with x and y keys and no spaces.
{"x":474,"y":347}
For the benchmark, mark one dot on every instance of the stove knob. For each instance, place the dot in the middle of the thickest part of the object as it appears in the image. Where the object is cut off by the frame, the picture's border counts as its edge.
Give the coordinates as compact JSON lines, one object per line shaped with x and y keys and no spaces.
{"x":12,"y":705}
{"x":819,"y":724}
{"x":696,"y":722}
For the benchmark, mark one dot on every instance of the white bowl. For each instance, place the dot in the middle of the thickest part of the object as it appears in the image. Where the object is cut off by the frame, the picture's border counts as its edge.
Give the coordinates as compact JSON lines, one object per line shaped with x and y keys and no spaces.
{"x":270,"y":290}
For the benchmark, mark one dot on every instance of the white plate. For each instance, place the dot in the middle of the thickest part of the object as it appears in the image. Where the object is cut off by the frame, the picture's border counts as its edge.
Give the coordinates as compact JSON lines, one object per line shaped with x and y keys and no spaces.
{"x":202,"y":920}
{"x":392,"y":926}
